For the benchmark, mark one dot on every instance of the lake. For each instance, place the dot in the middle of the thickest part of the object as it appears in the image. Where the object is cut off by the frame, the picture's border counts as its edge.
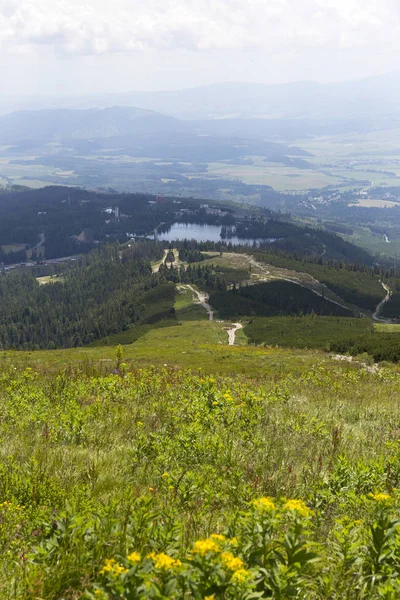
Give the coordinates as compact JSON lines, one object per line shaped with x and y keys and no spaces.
{"x":205,"y":233}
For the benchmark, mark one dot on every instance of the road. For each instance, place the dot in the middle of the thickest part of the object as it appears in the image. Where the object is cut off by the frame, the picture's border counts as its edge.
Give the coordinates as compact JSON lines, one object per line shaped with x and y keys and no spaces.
{"x":51,"y":261}
{"x":202,"y":298}
{"x":232,"y":333}
{"x":379,"y":307}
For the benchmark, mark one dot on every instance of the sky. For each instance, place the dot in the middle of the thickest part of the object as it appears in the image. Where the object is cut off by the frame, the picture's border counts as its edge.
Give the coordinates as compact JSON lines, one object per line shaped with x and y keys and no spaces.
{"x":76,"y":47}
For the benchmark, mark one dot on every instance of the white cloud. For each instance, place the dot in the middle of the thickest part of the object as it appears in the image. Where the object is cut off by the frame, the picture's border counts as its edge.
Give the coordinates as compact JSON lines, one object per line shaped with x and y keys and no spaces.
{"x":101,"y":27}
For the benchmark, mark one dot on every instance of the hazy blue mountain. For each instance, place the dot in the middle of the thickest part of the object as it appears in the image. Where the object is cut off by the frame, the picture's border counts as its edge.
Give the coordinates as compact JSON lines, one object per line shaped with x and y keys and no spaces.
{"x":370,"y":97}
{"x":137,"y":132}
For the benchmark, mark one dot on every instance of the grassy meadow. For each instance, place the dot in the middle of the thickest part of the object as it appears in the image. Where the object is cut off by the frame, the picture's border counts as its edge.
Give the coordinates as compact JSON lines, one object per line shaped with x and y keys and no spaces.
{"x":126,"y":482}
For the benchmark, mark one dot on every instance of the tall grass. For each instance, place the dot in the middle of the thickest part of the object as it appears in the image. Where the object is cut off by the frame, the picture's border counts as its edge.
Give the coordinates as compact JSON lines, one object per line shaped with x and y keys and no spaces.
{"x":95,"y":464}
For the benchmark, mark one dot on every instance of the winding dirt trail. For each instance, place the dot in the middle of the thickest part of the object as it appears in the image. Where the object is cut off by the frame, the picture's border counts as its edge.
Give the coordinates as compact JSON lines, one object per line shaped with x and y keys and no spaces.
{"x":279,"y":274}
{"x":202,"y":299}
{"x":157,"y":266}
{"x":232,"y":333}
{"x":375,"y":316}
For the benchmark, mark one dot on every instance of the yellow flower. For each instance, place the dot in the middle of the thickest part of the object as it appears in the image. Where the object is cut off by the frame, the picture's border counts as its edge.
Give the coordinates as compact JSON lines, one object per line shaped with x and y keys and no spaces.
{"x":151,"y":489}
{"x":165,"y":475}
{"x":218,"y":536}
{"x":139,"y":424}
{"x":209,"y":597}
{"x":203,"y":547}
{"x":299,"y":507}
{"x":163,"y":561}
{"x":108,"y":565}
{"x":119,"y":569}
{"x":241,"y":576}
{"x":234,"y":542}
{"x":380,"y":497}
{"x":111,"y":566}
{"x":264,"y":504}
{"x":134,"y":557}
{"x":231,"y":562}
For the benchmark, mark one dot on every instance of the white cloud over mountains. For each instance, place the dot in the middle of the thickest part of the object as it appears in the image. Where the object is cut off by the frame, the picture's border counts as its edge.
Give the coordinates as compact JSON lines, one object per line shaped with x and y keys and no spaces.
{"x":99,"y":27}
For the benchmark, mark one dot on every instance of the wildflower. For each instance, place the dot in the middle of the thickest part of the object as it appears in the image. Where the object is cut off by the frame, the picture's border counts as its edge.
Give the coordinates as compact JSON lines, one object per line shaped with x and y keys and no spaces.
{"x":163,"y":561}
{"x":134,"y":557}
{"x":212,"y":597}
{"x":218,"y":536}
{"x":264,"y":504}
{"x":108,"y":566}
{"x":165,"y":475}
{"x":241,"y":576}
{"x":119,"y":569}
{"x":151,"y":489}
{"x":231,"y":562}
{"x":234,"y":542}
{"x":203,"y":547}
{"x":139,"y":424}
{"x":380,"y":497}
{"x":299,"y":507}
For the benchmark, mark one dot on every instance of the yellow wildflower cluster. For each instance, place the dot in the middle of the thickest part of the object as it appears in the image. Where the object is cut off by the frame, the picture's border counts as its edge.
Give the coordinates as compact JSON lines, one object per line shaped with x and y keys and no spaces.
{"x":231,"y":562}
{"x":212,"y":597}
{"x":228,"y":397}
{"x":380,"y":497}
{"x":299,"y":507}
{"x":111,"y":566}
{"x":264,"y":504}
{"x":11,"y":506}
{"x":203,"y":547}
{"x":134,"y":557}
{"x":218,"y":536}
{"x":163,"y":561}
{"x":241,"y":576}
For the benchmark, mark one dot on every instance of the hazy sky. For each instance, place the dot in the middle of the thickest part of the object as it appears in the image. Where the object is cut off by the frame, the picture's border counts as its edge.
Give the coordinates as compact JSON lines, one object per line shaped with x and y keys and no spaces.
{"x":77,"y":46}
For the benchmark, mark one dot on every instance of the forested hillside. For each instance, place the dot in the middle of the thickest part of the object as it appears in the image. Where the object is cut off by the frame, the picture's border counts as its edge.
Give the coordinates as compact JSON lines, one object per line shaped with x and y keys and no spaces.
{"x":100,"y":295}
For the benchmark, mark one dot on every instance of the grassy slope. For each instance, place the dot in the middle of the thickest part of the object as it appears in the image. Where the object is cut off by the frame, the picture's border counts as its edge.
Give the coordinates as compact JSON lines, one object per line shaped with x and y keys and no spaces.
{"x":160,"y":457}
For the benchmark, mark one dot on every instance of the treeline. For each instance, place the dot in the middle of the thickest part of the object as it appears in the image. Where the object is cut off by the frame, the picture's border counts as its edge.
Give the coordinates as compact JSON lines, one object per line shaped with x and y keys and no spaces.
{"x":272,"y":299}
{"x":191,"y":256}
{"x":101,"y":295}
{"x":356,"y":283}
{"x":381,"y":346}
{"x":306,"y":331}
{"x":205,"y":276}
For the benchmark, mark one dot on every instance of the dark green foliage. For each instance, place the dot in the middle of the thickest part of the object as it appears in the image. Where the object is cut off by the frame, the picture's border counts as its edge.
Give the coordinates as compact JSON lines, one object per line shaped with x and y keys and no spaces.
{"x":381,"y":346}
{"x":391,"y":309}
{"x":309,"y":331}
{"x":271,"y":299}
{"x":355,"y":283}
{"x":103,"y":294}
{"x":191,"y":256}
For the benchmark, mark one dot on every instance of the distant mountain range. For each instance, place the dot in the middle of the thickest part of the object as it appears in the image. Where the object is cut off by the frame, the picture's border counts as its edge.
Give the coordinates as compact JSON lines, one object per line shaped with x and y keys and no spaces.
{"x":137,"y":132}
{"x":371,"y":98}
